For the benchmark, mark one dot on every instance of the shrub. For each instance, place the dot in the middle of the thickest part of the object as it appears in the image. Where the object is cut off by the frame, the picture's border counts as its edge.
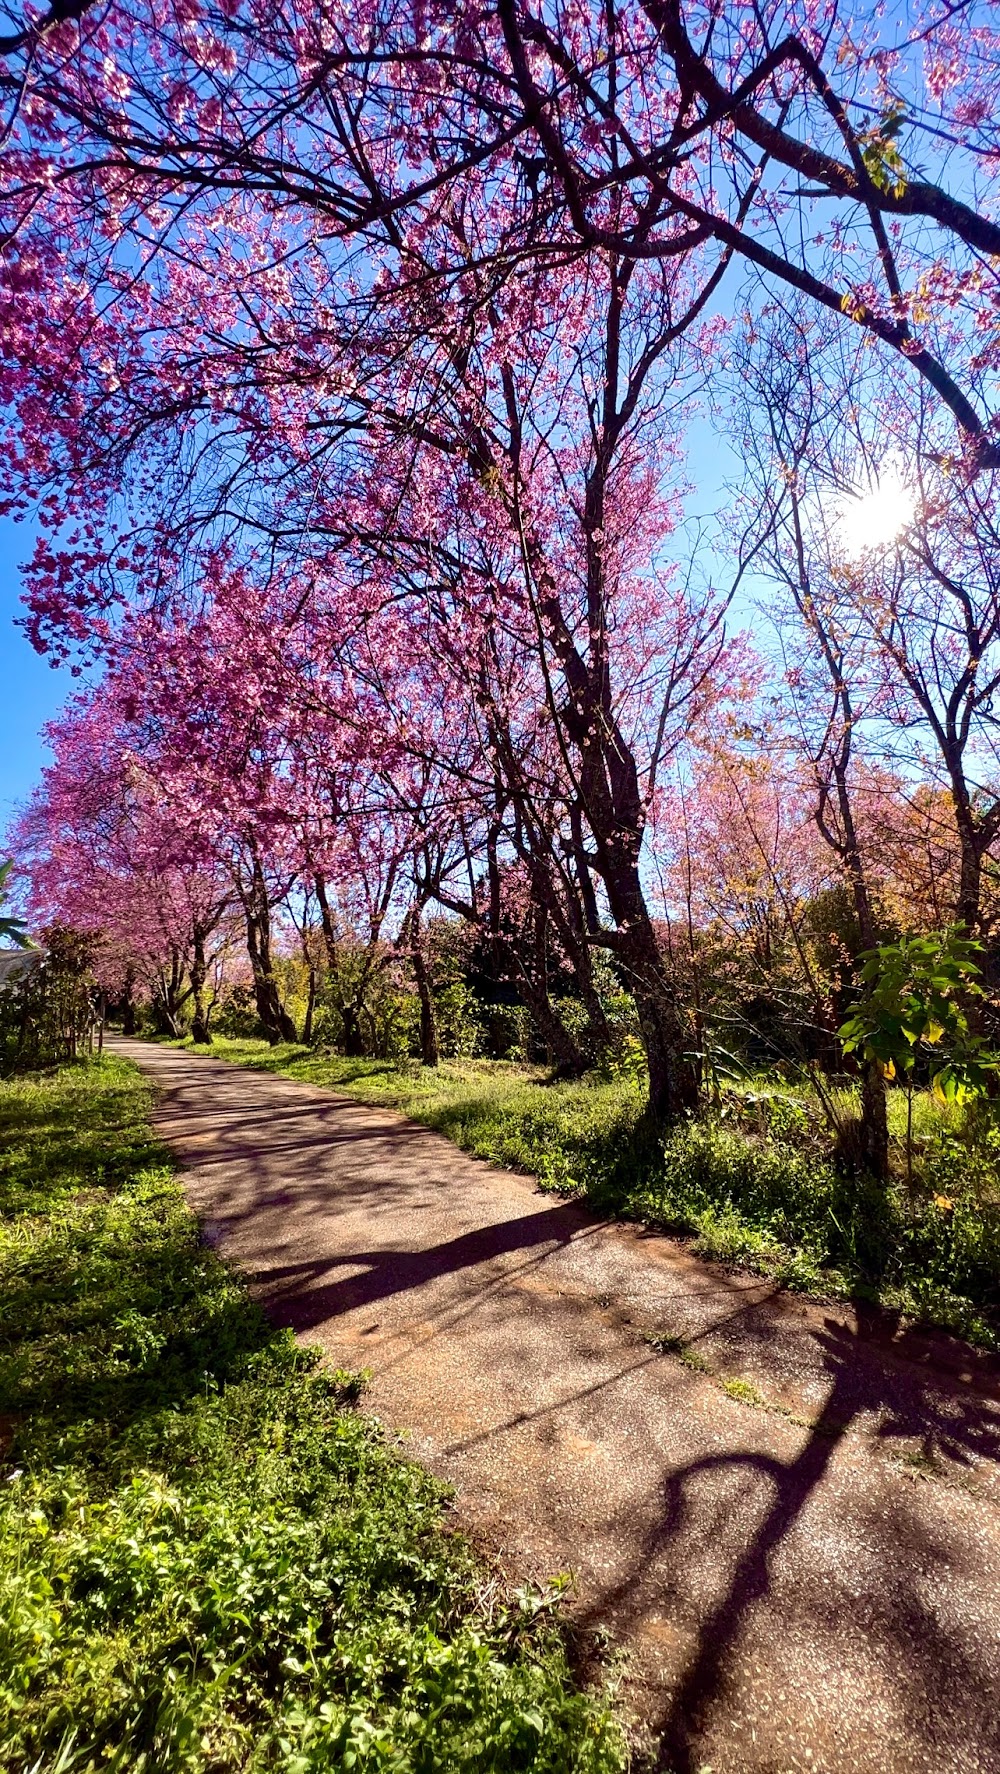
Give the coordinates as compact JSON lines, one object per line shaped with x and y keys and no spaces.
{"x":236,"y":1014}
{"x":460,"y":1030}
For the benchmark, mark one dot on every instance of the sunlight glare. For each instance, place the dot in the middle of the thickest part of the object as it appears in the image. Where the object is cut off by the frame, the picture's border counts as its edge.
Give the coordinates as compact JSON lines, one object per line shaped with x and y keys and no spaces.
{"x":873,"y":519}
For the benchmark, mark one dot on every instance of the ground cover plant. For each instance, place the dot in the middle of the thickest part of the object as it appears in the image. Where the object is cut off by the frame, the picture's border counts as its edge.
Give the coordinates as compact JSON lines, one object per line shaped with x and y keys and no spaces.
{"x":209,"y":1559}
{"x":752,"y":1179}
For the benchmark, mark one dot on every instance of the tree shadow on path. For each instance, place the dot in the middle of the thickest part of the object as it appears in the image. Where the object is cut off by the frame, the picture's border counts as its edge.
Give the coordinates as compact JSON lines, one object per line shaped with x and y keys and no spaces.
{"x":295,"y":1295}
{"x":969,"y":1429}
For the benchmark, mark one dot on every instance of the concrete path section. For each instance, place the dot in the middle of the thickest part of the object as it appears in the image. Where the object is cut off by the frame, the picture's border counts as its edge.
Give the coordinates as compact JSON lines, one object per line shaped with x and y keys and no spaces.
{"x":785,"y":1515}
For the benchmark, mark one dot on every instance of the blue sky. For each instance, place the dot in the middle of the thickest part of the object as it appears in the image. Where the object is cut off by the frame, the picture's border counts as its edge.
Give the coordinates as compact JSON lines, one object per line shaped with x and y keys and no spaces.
{"x":30,"y":691}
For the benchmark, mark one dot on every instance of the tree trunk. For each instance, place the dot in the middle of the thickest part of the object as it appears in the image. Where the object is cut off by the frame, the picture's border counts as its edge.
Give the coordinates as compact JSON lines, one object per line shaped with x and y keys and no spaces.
{"x":352,"y":1039}
{"x":168,"y":999}
{"x":574,"y":920}
{"x":971,"y":872}
{"x":163,"y":1016}
{"x":533,"y":984}
{"x":565,"y":1055}
{"x":199,"y":973}
{"x":354,"y":1045}
{"x":307,"y":1030}
{"x":326,"y":916}
{"x":429,"y":1054}
{"x":599,"y":1035}
{"x":275,"y":1020}
{"x":874,"y":1130}
{"x":873,"y":1133}
{"x":128,"y":1010}
{"x":673,"y":1079}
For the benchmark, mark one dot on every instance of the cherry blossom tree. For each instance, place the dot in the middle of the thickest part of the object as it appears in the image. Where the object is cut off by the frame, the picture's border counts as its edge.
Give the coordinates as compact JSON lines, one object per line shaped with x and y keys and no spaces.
{"x":104,"y":857}
{"x":512,"y":552}
{"x":849,"y":160}
{"x":349,"y":356}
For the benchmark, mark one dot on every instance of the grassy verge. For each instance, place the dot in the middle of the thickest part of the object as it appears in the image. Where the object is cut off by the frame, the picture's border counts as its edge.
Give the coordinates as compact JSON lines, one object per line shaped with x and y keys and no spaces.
{"x":753,"y":1183}
{"x":208,"y":1560}
{"x":573,"y":1135}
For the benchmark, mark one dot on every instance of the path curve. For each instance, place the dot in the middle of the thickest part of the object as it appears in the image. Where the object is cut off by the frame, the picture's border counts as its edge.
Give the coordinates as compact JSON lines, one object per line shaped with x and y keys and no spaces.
{"x":805,"y":1575}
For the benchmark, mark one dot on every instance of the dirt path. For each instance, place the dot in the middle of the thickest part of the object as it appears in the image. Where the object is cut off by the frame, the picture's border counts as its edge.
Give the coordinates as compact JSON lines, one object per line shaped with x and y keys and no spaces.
{"x":805,"y":1574}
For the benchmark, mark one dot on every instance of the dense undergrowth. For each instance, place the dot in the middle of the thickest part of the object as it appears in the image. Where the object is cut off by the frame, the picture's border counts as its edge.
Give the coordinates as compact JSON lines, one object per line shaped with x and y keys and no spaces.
{"x":208,"y":1560}
{"x":753,"y":1181}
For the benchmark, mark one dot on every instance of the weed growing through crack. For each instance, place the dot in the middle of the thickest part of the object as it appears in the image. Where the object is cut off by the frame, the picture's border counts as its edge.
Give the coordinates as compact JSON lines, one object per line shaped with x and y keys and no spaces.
{"x":683,"y":1351}
{"x":744,"y":1393}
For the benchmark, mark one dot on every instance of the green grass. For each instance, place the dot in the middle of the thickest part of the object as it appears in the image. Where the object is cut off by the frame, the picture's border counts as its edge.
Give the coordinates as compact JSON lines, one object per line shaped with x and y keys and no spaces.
{"x":752,"y":1183}
{"x":208,"y":1559}
{"x":574,"y":1135}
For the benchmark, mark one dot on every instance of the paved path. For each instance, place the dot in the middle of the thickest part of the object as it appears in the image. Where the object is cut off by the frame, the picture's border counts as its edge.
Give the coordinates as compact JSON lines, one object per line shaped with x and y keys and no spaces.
{"x":806,"y":1577}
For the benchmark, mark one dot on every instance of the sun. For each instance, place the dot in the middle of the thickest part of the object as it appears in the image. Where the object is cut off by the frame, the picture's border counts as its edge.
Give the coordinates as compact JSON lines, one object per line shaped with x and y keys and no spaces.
{"x":872,"y":520}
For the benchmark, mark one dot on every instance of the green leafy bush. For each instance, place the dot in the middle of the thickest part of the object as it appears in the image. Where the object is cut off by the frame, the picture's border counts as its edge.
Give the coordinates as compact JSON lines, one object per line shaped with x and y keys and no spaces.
{"x":913,"y":1011}
{"x":758,"y":1198}
{"x":47,"y":1010}
{"x":460,"y":1031}
{"x":236,"y":1014}
{"x":953,"y":1241}
{"x":774,"y":1202}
